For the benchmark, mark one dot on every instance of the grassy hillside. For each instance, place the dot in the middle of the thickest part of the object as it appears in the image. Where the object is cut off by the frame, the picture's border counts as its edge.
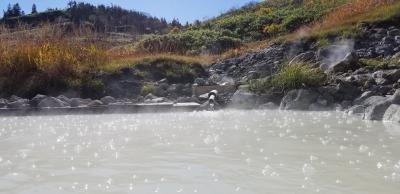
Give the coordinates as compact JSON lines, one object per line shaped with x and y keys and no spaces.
{"x":253,"y":22}
{"x":57,"y":57}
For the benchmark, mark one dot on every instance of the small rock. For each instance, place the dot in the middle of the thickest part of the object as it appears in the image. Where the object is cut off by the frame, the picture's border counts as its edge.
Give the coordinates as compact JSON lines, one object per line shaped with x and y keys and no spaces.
{"x":299,"y":99}
{"x":156,"y":100}
{"x":200,"y":81}
{"x":243,"y":99}
{"x":356,"y":110}
{"x":363,"y":97}
{"x":3,"y":103}
{"x":150,"y":97}
{"x":64,"y":99}
{"x":108,"y":100}
{"x":15,"y":98}
{"x":51,"y":102}
{"x":34,"y":102}
{"x":17,"y":104}
{"x":95,"y":103}
{"x":75,"y":102}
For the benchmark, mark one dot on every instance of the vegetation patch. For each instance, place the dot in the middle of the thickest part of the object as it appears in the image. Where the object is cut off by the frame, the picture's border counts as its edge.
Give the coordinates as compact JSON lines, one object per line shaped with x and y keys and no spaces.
{"x":189,"y":42}
{"x":290,"y":77}
{"x":148,"y":87}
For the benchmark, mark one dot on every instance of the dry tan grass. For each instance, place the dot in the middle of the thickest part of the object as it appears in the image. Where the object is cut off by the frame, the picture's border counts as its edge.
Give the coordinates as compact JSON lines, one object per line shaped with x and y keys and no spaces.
{"x":349,"y":13}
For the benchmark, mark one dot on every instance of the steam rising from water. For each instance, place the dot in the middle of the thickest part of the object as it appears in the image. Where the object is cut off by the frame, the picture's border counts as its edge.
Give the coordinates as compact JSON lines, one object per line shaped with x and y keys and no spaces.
{"x":205,"y":152}
{"x":337,"y":52}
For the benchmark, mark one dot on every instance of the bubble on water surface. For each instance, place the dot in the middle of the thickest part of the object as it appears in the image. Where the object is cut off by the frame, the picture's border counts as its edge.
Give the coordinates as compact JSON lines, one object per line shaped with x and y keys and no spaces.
{"x":308,"y":170}
{"x":363,"y":148}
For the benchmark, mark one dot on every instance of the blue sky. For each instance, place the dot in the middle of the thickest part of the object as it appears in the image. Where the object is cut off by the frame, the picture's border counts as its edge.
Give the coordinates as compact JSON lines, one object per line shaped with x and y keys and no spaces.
{"x":184,"y":10}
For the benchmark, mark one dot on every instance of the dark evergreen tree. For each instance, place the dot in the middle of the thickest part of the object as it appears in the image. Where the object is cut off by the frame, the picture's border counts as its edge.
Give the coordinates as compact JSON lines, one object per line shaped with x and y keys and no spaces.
{"x":175,"y":23}
{"x":34,"y":9}
{"x":16,"y":10}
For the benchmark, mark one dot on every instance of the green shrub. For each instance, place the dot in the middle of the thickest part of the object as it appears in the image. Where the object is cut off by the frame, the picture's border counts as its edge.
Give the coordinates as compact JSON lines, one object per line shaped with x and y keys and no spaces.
{"x":289,"y":78}
{"x":148,"y":88}
{"x":212,"y":41}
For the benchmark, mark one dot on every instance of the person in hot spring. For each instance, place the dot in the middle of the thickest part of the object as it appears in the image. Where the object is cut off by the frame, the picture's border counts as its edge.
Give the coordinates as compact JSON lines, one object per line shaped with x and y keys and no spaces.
{"x":211,"y":103}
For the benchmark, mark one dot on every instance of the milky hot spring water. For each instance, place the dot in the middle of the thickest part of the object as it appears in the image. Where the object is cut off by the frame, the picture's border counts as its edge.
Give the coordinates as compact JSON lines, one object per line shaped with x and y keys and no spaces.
{"x":223,"y":152}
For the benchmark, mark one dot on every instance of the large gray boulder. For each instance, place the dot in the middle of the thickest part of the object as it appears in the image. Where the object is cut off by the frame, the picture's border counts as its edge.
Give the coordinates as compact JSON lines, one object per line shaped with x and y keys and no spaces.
{"x":299,"y":99}
{"x":363,"y":97}
{"x":64,"y":99}
{"x":108,"y":100}
{"x":244,"y":99}
{"x":150,"y":97}
{"x":95,"y":103}
{"x":34,"y":102}
{"x":356,"y":110}
{"x":51,"y":102}
{"x":349,"y":62}
{"x":377,"y":105}
{"x":15,"y":98}
{"x":17,"y":104}
{"x":392,"y":113}
{"x":3,"y":103}
{"x":156,"y":100}
{"x":75,"y":102}
{"x":161,"y":90}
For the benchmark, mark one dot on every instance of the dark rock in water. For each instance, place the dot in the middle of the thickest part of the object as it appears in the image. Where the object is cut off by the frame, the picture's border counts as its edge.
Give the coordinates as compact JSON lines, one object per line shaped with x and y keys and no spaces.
{"x":356,"y":110}
{"x":51,"y":102}
{"x":140,"y":99}
{"x":376,"y":110}
{"x":18,"y":104}
{"x":299,"y":99}
{"x":323,"y":103}
{"x":346,"y":91}
{"x":3,"y":103}
{"x":349,"y":62}
{"x":161,"y":90}
{"x":243,"y":99}
{"x":307,"y":57}
{"x":15,"y":98}
{"x":377,"y":106}
{"x":269,"y":106}
{"x":95,"y":103}
{"x":392,"y":113}
{"x":150,"y":97}
{"x":363,"y":97}
{"x":76,"y":102}
{"x":346,"y":104}
{"x":186,"y":99}
{"x":34,"y":102}
{"x":156,"y":100}
{"x":64,"y":99}
{"x":108,"y":100}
